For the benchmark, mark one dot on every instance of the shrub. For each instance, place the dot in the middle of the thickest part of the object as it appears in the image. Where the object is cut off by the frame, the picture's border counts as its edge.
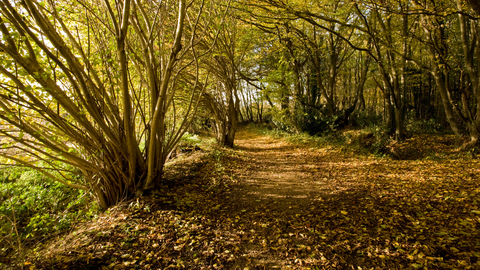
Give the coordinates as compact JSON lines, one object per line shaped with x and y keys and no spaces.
{"x":281,"y":120}
{"x":190,"y":139}
{"x":366,"y":120}
{"x":424,"y":126}
{"x":315,"y":125}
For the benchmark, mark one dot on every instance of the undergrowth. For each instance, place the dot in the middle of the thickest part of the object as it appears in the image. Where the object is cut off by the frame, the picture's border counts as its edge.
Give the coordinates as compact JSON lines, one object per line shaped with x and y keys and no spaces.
{"x":34,"y":208}
{"x":370,"y":140}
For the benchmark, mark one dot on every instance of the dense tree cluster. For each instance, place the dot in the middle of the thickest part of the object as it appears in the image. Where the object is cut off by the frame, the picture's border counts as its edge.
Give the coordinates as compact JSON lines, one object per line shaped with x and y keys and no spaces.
{"x":399,"y":59}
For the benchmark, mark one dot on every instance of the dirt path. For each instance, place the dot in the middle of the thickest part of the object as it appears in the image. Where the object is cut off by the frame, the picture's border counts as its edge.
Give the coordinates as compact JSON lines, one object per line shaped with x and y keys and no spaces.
{"x":282,"y":182}
{"x":286,"y":176}
{"x":278,"y":175}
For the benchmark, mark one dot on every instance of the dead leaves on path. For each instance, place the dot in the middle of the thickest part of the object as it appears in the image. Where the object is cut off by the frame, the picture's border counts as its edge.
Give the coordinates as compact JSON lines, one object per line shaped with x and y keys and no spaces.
{"x":369,"y":213}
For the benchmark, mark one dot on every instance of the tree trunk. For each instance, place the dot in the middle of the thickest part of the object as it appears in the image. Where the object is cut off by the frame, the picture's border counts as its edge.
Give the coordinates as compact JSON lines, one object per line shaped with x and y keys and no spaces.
{"x":449,"y":114}
{"x":472,"y":121}
{"x":232,"y":122}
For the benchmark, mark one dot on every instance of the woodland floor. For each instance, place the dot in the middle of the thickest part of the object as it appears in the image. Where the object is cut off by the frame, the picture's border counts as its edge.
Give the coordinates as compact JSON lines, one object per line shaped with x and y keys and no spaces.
{"x":271,"y":204}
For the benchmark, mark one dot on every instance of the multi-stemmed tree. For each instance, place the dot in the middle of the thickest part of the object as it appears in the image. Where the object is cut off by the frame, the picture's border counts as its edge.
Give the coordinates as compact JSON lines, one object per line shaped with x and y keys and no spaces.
{"x":96,"y":84}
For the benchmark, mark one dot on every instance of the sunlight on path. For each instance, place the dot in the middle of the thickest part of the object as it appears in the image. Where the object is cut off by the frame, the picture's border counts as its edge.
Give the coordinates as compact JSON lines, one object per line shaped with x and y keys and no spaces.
{"x":278,"y":173}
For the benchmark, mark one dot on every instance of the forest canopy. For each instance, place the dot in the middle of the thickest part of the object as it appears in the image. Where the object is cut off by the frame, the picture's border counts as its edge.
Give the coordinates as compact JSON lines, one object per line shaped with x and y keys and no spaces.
{"x":106,"y":89}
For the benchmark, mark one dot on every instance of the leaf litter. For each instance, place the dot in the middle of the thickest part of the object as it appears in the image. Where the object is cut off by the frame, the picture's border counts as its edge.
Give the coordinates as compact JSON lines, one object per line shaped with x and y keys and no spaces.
{"x":270,"y":204}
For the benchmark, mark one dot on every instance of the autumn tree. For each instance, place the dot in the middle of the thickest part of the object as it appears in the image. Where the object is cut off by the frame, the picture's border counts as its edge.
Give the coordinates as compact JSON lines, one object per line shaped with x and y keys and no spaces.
{"x":230,"y":65}
{"x":221,"y":97}
{"x":107,"y":88}
{"x":312,"y":57}
{"x":435,"y":40}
